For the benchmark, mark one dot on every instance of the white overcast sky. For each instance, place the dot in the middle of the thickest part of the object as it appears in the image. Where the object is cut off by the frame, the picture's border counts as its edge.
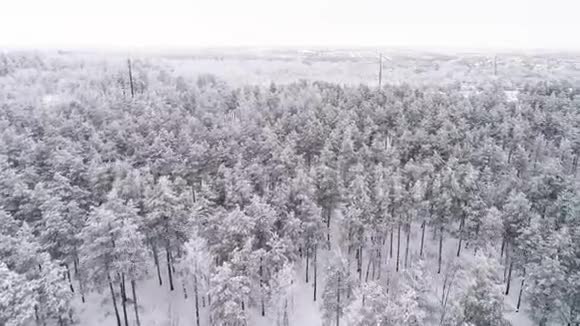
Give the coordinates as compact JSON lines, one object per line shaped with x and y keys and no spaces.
{"x":512,"y":24}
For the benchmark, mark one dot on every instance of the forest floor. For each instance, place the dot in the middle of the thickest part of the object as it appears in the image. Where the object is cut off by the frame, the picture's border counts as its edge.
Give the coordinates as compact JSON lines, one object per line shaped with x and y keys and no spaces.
{"x":159,"y":306}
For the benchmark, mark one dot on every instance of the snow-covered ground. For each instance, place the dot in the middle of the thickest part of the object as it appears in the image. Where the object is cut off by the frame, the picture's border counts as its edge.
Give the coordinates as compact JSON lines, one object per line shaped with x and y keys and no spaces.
{"x":159,"y":306}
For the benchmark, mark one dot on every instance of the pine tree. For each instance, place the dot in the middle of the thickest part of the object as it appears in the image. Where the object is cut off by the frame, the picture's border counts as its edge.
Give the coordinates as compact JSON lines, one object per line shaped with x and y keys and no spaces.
{"x":336,"y":295}
{"x":376,"y":306}
{"x":42,"y":287}
{"x":357,"y":216}
{"x":98,"y":252}
{"x":130,"y":262}
{"x":229,"y":292}
{"x":17,"y":300}
{"x":167,"y":222}
{"x":195,"y":267}
{"x":327,"y":186}
{"x":282,"y":287}
{"x":482,"y":302}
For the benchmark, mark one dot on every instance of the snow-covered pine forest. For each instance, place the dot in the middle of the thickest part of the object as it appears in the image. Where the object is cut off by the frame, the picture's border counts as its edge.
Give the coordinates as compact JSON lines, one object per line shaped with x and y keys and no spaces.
{"x":143,"y":198}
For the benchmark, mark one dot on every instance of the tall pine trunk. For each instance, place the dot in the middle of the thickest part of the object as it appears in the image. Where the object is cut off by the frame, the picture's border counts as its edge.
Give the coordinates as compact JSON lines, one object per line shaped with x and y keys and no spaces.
{"x":36,"y":317}
{"x":169,"y":271}
{"x":391,"y":248}
{"x":78,"y":276}
{"x":423,"y":227}
{"x":307,"y":263}
{"x":376,"y":259}
{"x":360,"y":263}
{"x":196,"y":291}
{"x":285,"y":320}
{"x":507,"y":260}
{"x":502,"y":248}
{"x":131,"y":78}
{"x":114,"y":301}
{"x":156,"y":260}
{"x":380,"y":264}
{"x":461,"y":226}
{"x":407,"y":246}
{"x":135,"y":305}
{"x":70,"y":283}
{"x":369,"y":265}
{"x":262,"y":287}
{"x":434,"y":233}
{"x":543,"y":321}
{"x":521,"y":292}
{"x":440,"y":249}
{"x":509,"y":279}
{"x":328,"y":215}
{"x":124,"y":299}
{"x":184,"y":287}
{"x":398,"y":245}
{"x":315,"y":269}
{"x":338,"y":302}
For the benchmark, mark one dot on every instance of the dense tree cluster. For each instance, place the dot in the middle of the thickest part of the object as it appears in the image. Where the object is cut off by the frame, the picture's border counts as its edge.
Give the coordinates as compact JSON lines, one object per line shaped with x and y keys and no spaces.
{"x":225,"y":192}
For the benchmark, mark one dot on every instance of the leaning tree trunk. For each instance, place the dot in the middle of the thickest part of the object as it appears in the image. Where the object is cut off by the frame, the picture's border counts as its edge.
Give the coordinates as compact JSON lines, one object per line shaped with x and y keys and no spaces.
{"x":509,"y":279}
{"x":135,"y":305}
{"x":521,"y":291}
{"x":114,"y":301}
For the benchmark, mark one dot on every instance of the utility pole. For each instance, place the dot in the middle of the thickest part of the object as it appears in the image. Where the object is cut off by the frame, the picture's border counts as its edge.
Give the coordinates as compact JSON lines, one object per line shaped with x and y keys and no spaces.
{"x":131,"y":78}
{"x":380,"y":70}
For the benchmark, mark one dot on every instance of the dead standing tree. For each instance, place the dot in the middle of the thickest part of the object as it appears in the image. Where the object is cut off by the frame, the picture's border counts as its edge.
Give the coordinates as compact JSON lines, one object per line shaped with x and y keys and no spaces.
{"x":131,"y":78}
{"x":380,"y":70}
